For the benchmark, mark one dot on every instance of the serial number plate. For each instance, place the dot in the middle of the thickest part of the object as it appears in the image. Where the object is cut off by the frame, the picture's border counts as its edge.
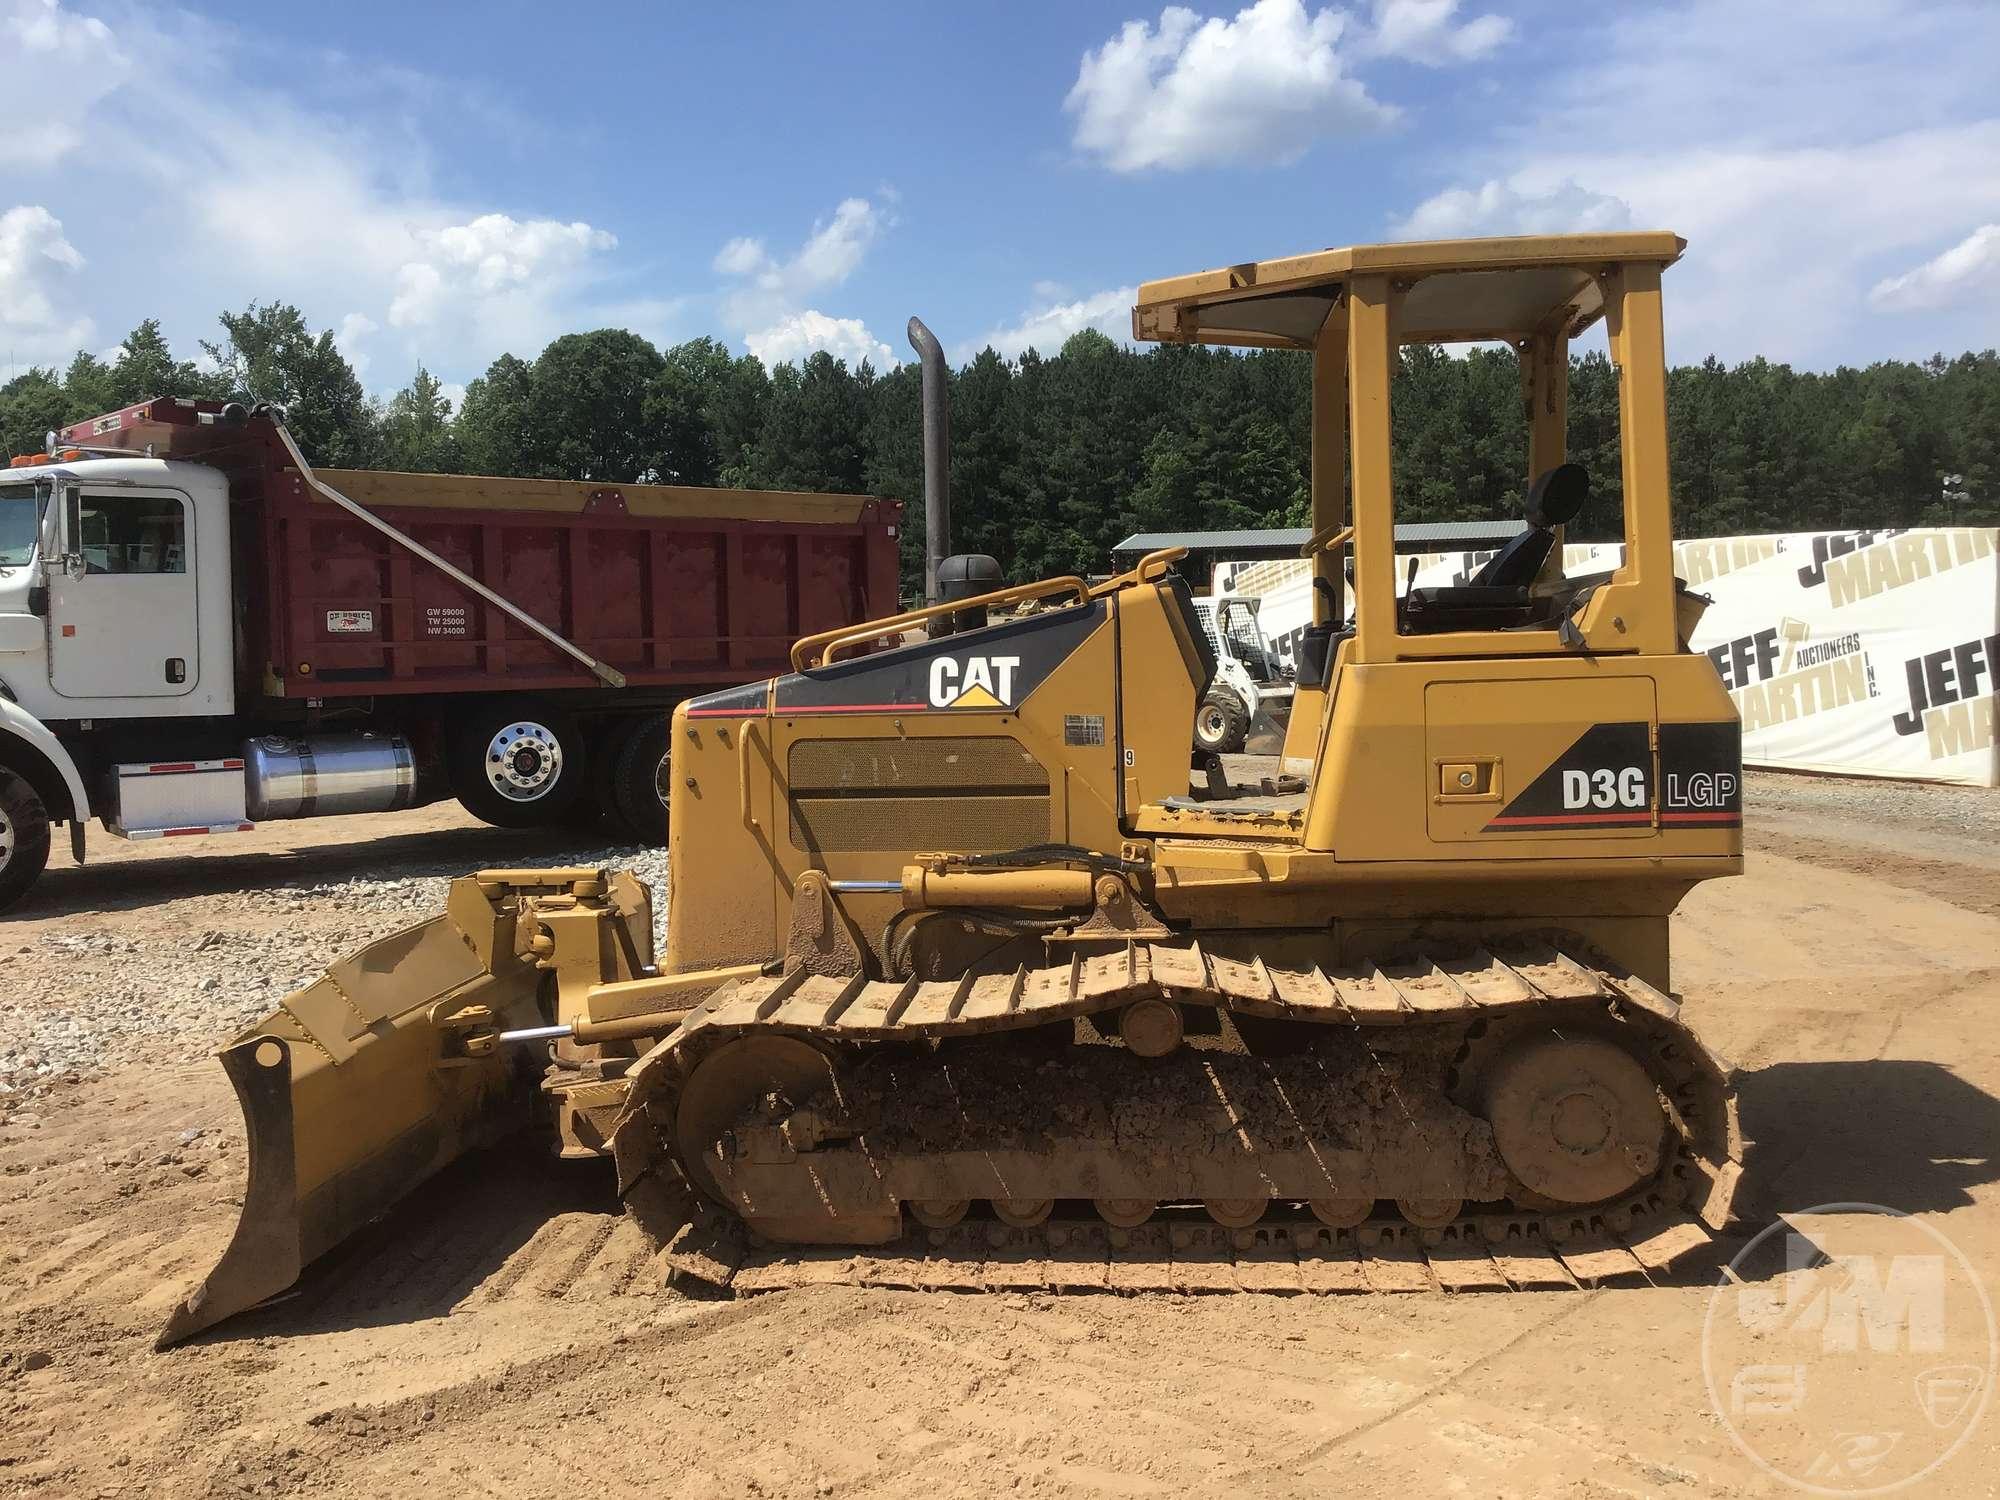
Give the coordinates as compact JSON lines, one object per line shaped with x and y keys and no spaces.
{"x":1083,"y":729}
{"x":350,"y":621}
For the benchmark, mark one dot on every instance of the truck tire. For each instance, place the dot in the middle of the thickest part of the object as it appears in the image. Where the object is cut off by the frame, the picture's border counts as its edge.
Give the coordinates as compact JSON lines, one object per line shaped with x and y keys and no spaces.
{"x":600,"y":810}
{"x":24,"y":837}
{"x":1221,"y":723}
{"x":518,"y":765}
{"x":645,"y":779}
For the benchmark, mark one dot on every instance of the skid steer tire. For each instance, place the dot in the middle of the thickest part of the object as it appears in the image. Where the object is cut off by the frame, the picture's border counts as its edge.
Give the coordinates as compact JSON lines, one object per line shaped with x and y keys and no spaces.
{"x":24,"y":837}
{"x":518,"y":765}
{"x":644,"y":775}
{"x":1221,"y":724}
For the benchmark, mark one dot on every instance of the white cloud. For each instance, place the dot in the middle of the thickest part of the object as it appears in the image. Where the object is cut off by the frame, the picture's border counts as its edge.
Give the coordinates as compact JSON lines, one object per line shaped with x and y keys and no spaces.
{"x":80,"y":61}
{"x":743,"y":257}
{"x":770,"y":291}
{"x":767,"y":295}
{"x":37,"y":267}
{"x":246,"y":192}
{"x":1429,"y":32}
{"x":1257,"y":89}
{"x":833,"y":252}
{"x":791,"y":339}
{"x":348,"y":337}
{"x":1799,"y":189}
{"x":1972,"y":265}
{"x":463,"y":265}
{"x":1046,"y":327}
{"x":1505,"y":208}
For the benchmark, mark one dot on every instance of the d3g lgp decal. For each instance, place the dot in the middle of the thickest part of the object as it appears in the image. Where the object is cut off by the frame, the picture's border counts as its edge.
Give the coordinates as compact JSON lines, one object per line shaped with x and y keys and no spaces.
{"x":1607,"y":779}
{"x":1603,"y":780}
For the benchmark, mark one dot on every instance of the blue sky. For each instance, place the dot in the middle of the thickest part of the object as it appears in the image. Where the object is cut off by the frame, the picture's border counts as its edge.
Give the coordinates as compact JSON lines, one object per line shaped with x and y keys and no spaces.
{"x":447,"y":183}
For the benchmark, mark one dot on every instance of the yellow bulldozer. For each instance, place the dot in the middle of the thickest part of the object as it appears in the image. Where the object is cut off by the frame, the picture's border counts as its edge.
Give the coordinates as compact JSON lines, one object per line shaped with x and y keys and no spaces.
{"x":965,"y":971}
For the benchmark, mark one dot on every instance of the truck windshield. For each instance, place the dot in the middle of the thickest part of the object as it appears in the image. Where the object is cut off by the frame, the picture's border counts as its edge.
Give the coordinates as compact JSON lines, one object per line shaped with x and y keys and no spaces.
{"x":20,"y":520}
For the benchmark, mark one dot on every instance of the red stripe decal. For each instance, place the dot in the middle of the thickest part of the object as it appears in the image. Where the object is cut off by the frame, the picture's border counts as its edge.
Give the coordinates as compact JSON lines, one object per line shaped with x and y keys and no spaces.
{"x":1701,"y":817}
{"x":170,"y":765}
{"x":851,"y":708}
{"x":1522,"y":820}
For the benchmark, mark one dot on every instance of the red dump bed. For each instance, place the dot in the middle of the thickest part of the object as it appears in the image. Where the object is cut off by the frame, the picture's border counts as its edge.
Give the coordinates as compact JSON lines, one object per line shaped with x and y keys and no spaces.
{"x":673,"y":586}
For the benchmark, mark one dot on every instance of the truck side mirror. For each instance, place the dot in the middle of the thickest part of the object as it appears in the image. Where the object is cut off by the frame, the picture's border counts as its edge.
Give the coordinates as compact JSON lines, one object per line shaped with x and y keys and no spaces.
{"x":62,"y":524}
{"x":48,"y":538}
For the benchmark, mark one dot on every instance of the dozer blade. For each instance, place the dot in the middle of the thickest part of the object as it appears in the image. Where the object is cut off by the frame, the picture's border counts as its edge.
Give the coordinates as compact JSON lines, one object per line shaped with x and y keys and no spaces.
{"x":360,"y":1087}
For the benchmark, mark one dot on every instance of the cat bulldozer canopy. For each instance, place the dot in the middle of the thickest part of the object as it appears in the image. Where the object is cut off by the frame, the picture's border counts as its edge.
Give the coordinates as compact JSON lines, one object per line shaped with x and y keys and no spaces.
{"x":1500,"y":289}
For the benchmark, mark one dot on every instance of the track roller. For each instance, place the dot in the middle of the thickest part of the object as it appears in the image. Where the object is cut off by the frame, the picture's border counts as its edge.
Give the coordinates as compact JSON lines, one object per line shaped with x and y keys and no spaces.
{"x":1429,"y":1213}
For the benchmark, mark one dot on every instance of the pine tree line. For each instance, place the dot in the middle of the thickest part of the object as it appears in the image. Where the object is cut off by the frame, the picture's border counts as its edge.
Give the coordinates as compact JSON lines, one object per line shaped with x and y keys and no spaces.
{"x":1057,"y":458}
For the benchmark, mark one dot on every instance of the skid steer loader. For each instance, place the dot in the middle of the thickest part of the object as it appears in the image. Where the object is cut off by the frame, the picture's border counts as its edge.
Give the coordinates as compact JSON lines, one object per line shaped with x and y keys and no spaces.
{"x":964,"y":978}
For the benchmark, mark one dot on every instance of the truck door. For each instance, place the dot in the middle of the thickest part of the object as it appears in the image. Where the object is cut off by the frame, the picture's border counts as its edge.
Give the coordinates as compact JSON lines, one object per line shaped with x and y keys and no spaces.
{"x":122,"y":621}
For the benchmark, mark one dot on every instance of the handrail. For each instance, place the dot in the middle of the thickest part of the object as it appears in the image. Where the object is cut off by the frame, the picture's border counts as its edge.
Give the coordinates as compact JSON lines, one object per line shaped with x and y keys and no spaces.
{"x":829,"y":641}
{"x":1326,"y":538}
{"x":744,"y":808}
{"x":1145,"y":569}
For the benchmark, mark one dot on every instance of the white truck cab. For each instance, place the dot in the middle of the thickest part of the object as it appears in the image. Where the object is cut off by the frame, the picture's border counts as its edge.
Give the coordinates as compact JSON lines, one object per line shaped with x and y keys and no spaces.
{"x":115,"y":609}
{"x":115,"y":590}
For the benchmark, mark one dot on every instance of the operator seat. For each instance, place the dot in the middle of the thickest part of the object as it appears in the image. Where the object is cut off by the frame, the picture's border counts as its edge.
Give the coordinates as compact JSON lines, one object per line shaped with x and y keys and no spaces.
{"x":1497,"y":596}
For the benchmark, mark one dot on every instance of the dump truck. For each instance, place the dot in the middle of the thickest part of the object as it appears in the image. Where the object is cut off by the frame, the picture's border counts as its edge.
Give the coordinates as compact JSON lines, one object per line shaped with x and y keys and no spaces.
{"x":199,"y":632}
{"x":967,"y":984}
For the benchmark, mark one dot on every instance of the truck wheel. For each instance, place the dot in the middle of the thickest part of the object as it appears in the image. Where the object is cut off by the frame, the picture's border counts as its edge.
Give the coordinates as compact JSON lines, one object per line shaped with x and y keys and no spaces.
{"x":1221,"y":724}
{"x":645,"y":780}
{"x":518,"y":769}
{"x":24,"y":837}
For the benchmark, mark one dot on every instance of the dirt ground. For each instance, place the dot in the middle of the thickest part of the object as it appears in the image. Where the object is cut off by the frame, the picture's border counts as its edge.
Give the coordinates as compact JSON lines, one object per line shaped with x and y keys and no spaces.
{"x":503,"y":1336}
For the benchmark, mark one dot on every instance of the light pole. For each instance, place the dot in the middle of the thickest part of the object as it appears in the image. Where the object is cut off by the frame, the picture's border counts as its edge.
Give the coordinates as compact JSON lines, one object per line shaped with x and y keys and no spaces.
{"x":1952,"y":490}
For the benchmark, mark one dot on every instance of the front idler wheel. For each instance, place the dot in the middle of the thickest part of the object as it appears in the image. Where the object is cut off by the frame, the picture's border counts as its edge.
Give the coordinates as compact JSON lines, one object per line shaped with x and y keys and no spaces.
{"x":1576,"y":1119}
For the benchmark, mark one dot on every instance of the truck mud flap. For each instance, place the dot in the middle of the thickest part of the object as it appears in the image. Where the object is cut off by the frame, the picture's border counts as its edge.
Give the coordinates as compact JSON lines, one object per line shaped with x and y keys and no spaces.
{"x":358,"y":1089}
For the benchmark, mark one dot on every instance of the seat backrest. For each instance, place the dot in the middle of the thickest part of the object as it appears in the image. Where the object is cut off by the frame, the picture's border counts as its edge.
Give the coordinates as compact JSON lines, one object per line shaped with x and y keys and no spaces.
{"x":1517,"y":563}
{"x":1553,"y":500}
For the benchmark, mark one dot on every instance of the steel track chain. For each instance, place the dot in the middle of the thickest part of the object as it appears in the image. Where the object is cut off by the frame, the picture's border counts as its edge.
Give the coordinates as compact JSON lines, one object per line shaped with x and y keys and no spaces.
{"x":1511,"y":980}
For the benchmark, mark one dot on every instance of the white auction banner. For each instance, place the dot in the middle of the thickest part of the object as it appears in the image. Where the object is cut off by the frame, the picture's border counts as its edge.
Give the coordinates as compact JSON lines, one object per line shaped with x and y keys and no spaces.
{"x":1865,"y":652}
{"x":1872,"y":653}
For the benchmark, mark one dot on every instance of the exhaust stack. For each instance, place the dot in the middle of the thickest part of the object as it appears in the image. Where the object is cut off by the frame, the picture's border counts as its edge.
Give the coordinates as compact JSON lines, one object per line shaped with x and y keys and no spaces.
{"x":937,"y":454}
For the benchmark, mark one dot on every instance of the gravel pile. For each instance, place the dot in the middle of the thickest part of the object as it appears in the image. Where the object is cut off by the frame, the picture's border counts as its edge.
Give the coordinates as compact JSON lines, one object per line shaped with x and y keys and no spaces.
{"x":79,"y":1002}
